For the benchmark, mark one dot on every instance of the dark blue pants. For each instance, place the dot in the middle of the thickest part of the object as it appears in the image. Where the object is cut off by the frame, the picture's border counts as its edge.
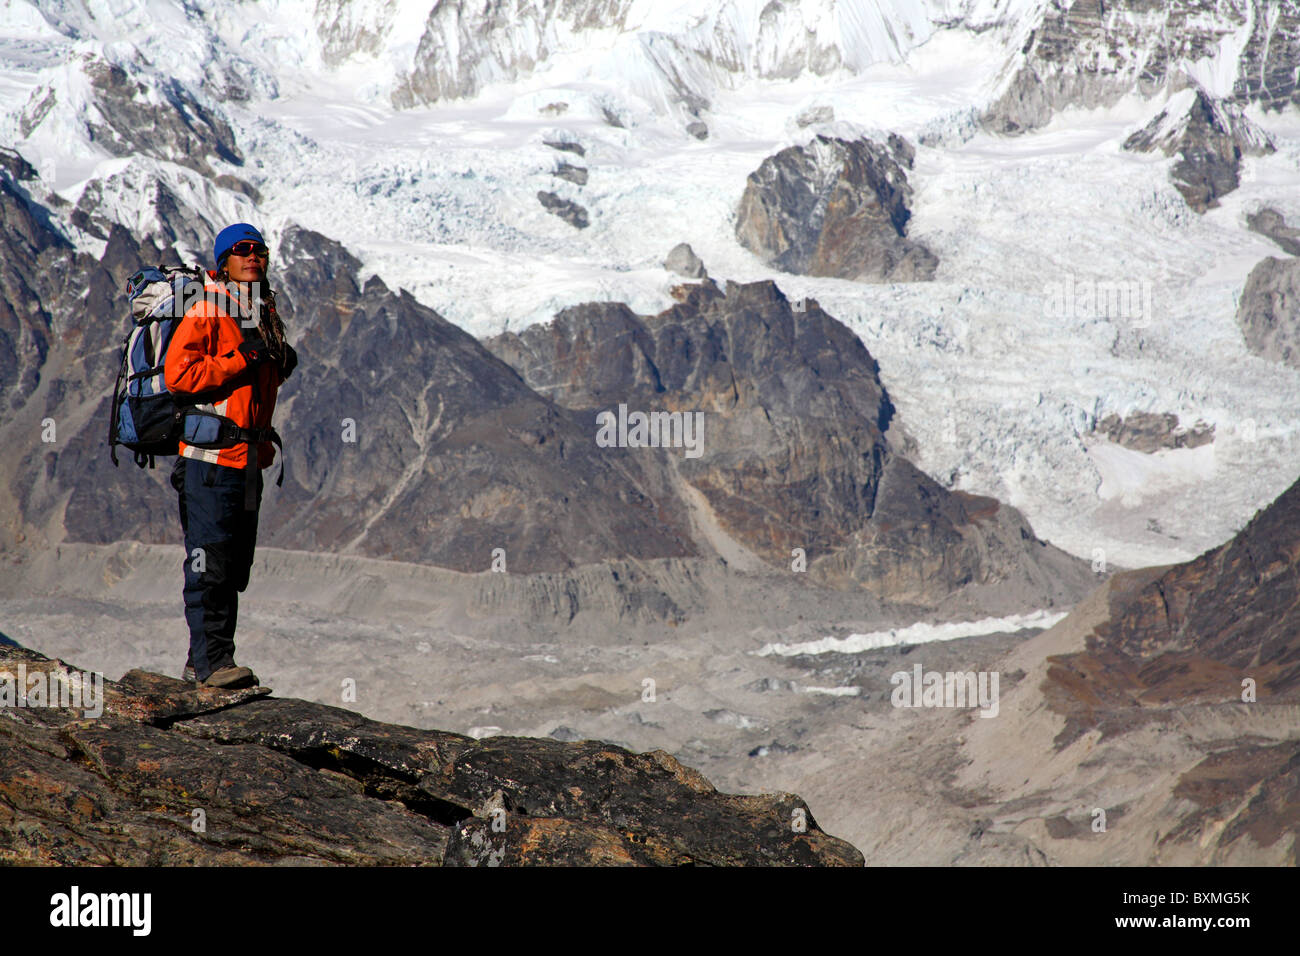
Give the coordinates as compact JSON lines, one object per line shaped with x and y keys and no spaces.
{"x":220,"y":537}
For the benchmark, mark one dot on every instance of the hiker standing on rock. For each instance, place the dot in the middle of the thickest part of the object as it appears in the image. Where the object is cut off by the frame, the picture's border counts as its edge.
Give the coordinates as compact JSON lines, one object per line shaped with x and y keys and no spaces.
{"x":229,"y":358}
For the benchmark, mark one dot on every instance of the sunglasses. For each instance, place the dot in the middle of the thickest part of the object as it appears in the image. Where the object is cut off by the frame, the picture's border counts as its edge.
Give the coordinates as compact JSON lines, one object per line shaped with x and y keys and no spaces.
{"x":247,"y":247}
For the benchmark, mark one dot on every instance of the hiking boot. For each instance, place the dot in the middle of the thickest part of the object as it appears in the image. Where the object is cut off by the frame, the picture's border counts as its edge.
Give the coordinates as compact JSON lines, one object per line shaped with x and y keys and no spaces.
{"x":231,"y":678}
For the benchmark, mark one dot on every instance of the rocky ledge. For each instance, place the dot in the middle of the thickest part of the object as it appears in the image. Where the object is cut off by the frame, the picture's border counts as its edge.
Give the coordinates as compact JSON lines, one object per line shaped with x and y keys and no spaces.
{"x":153,"y":771}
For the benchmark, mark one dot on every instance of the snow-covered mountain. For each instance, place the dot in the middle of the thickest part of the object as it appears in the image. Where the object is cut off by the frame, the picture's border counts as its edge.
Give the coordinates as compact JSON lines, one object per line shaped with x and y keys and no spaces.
{"x":420,"y":134}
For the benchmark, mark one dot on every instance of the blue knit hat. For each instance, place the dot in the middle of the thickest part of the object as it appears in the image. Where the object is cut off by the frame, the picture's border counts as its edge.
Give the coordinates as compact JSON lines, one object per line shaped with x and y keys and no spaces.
{"x":227,"y":237}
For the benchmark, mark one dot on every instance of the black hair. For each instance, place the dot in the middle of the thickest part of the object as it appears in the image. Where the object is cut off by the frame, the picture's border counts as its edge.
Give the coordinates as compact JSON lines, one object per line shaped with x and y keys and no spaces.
{"x":269,"y":323}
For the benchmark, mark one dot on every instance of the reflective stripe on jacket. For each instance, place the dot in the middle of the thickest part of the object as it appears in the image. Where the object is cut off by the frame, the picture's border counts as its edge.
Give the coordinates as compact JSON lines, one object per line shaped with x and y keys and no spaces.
{"x":204,"y":362}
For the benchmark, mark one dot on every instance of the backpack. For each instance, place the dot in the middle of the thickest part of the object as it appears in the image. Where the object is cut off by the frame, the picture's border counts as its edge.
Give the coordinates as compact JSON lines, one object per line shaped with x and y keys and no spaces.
{"x":145,"y":417}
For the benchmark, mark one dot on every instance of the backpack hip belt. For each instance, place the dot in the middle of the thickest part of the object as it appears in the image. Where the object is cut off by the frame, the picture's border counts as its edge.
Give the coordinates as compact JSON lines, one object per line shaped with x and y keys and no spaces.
{"x":232,"y":434}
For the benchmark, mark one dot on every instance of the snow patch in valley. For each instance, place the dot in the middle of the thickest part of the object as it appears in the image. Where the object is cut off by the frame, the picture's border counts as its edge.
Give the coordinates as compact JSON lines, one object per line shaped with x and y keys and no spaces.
{"x":919,"y":633}
{"x":1133,"y":476}
{"x":833,"y":691}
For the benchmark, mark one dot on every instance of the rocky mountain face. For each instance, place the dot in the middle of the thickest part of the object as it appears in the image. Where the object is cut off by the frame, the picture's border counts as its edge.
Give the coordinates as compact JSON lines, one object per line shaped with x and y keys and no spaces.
{"x":1210,"y":137}
{"x":128,"y":110}
{"x":835,"y":208}
{"x":1266,"y":66}
{"x":58,"y":366}
{"x":169,"y":774}
{"x":1153,"y":725}
{"x":1197,"y":630}
{"x":1269,"y":311}
{"x":1209,"y":650}
{"x":454,"y":454}
{"x":1090,"y":53}
{"x":795,"y":449}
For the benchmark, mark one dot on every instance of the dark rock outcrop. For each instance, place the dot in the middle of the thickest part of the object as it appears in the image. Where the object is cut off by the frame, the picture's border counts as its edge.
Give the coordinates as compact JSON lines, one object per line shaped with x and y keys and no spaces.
{"x":170,"y":774}
{"x":1209,"y":137}
{"x":574,"y":174}
{"x":567,"y":146}
{"x":1269,"y":311}
{"x":835,"y":208}
{"x":1269,"y":222}
{"x":18,"y":167}
{"x":1149,"y":432}
{"x":568,"y":210}
{"x":794,"y":454}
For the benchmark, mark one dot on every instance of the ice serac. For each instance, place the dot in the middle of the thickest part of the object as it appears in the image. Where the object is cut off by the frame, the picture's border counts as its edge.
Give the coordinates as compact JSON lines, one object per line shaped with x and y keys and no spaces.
{"x":1269,"y":311}
{"x":293,"y":782}
{"x":1091,"y":53}
{"x":835,"y":208}
{"x":794,"y":451}
{"x":1209,"y":136}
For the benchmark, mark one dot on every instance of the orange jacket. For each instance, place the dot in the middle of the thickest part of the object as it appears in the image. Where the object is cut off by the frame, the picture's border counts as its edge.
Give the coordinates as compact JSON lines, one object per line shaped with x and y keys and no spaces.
{"x":204,"y":360}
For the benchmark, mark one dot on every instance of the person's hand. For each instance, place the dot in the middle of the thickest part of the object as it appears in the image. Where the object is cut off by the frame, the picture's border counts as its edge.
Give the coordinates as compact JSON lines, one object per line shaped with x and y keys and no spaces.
{"x":288,"y":362}
{"x":254,"y":352}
